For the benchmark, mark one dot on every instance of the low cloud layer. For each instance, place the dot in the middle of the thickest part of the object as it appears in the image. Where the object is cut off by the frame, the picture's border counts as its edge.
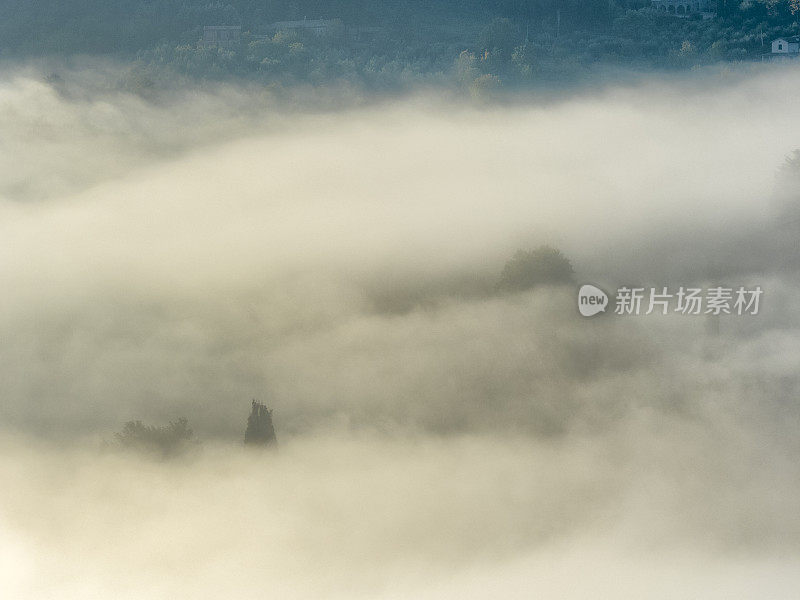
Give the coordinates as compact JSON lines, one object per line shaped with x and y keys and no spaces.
{"x":180,"y":257}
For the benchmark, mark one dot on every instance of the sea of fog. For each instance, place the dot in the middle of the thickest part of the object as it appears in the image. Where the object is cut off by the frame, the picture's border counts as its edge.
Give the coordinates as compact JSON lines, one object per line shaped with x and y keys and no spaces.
{"x":438,"y":437}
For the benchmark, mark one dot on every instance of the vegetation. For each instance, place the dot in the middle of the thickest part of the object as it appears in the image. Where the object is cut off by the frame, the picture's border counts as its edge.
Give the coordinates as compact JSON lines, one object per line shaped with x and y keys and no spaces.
{"x":790,"y":169}
{"x":787,"y":189}
{"x":529,"y":268}
{"x":260,"y":430}
{"x":177,"y":438}
{"x":477,"y":45}
{"x":165,"y":441}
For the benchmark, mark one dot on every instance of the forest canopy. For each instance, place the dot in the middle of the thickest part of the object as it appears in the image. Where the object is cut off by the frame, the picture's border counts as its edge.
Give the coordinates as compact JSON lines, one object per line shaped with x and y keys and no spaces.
{"x":477,"y":45}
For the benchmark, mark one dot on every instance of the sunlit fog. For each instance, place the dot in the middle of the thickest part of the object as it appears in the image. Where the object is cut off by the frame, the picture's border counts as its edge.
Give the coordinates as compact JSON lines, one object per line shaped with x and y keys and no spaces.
{"x":439,"y":433}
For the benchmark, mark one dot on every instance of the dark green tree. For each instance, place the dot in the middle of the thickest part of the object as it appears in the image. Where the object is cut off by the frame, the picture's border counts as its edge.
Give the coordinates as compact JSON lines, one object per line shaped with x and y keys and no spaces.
{"x":260,"y":431}
{"x":166,"y":441}
{"x":529,"y":268}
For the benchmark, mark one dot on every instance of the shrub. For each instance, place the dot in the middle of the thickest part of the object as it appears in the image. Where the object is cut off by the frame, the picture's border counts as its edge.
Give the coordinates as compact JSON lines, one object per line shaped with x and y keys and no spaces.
{"x":165,"y":441}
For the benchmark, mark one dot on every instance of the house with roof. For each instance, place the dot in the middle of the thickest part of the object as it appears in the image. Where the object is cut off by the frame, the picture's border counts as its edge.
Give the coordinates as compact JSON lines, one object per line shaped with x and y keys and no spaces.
{"x":786,"y":45}
{"x":783,"y":48}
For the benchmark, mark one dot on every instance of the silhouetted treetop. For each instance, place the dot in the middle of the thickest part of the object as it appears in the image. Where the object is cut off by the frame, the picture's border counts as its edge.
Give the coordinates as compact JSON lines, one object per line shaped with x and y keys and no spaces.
{"x":529,"y":268}
{"x":167,"y":440}
{"x":260,"y":431}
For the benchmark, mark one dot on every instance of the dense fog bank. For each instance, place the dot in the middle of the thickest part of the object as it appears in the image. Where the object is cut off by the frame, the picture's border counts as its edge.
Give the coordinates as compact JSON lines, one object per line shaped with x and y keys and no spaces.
{"x":440,"y":436}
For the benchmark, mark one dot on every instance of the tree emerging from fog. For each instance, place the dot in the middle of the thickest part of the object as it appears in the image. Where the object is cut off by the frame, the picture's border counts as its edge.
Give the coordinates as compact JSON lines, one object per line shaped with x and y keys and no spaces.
{"x":260,"y":431}
{"x":528,"y":268}
{"x":166,"y":441}
{"x":790,"y":169}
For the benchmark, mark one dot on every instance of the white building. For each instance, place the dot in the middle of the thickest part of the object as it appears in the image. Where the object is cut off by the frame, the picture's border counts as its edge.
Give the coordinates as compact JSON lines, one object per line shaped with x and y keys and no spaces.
{"x":682,"y":7}
{"x":787,"y":45}
{"x":315,"y":26}
{"x":221,"y":36}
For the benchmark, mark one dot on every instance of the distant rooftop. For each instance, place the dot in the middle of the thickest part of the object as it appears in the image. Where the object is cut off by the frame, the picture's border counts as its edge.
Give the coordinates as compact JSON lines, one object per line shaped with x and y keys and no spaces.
{"x":309,"y":23}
